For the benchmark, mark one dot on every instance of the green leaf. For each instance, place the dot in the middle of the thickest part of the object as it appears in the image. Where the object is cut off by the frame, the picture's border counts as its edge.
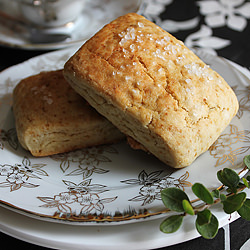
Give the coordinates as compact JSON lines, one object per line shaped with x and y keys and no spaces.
{"x":229,"y":178}
{"x":246,"y":161}
{"x":203,"y":193}
{"x":244,"y":211}
{"x":203,"y":217}
{"x":245,"y":182}
{"x":215,"y":193}
{"x":242,"y":185}
{"x":188,"y":207}
{"x":208,"y":230}
{"x":171,"y":224}
{"x":173,"y":197}
{"x":223,"y":197}
{"x":234,"y":202}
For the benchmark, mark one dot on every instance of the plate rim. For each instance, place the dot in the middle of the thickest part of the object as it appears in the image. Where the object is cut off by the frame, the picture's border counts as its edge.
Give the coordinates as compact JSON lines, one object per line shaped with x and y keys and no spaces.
{"x":35,"y":234}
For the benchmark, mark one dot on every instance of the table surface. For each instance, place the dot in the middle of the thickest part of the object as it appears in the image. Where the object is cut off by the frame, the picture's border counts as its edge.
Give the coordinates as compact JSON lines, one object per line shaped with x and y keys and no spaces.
{"x":217,"y":26}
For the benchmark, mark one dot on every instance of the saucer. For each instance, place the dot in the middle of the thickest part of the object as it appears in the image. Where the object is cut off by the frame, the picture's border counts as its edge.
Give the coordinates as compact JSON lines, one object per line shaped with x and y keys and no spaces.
{"x":95,"y":15}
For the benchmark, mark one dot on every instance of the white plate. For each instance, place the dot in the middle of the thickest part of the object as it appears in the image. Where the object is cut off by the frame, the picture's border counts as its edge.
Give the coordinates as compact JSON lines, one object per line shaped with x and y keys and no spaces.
{"x":137,"y":236}
{"x":96,"y":14}
{"x":110,"y":185}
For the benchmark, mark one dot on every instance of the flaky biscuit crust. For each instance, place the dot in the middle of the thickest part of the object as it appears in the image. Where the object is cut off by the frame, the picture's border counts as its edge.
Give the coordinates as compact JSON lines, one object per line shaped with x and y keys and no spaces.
{"x":153,"y":88}
{"x":52,"y":118}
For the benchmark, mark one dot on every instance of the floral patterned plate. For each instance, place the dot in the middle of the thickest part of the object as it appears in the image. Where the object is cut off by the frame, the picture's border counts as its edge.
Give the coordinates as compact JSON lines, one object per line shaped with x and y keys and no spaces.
{"x":108,"y":184}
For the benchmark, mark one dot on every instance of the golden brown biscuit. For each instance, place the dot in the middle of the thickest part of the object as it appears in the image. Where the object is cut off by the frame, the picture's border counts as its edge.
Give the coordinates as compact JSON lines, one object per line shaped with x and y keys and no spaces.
{"x":52,"y":118}
{"x":153,"y":88}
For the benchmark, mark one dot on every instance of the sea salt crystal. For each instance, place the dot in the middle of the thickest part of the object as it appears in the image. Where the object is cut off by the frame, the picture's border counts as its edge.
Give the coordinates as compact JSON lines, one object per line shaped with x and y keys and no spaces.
{"x":158,"y":41}
{"x":127,"y":37}
{"x":195,"y":114}
{"x":123,"y":41}
{"x":188,"y":80}
{"x":132,"y":33}
{"x":132,"y":47}
{"x":139,"y":39}
{"x":179,"y":59}
{"x":127,"y":78}
{"x":171,"y":49}
{"x":159,"y":54}
{"x":34,"y":88}
{"x":161,"y":41}
{"x":135,"y":91}
{"x":190,"y":90}
{"x":141,"y":25}
{"x":48,"y":100}
{"x":121,"y":34}
{"x":166,"y":38}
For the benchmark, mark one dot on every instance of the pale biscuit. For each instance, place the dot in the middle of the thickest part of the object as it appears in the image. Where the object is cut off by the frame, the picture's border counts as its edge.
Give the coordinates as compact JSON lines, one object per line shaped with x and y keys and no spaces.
{"x":153,"y":88}
{"x":52,"y":118}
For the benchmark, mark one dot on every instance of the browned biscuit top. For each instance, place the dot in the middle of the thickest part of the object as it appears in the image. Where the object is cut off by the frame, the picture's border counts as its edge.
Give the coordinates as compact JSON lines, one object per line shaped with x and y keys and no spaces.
{"x":151,"y":76}
{"x":52,"y":118}
{"x":47,"y":99}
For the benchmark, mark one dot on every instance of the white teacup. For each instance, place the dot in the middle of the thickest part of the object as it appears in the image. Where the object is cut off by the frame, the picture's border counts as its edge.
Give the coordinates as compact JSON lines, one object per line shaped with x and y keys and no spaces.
{"x":50,"y":13}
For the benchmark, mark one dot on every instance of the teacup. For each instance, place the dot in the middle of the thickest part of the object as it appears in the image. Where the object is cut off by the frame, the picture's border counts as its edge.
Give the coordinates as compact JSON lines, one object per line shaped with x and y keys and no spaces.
{"x":50,"y":13}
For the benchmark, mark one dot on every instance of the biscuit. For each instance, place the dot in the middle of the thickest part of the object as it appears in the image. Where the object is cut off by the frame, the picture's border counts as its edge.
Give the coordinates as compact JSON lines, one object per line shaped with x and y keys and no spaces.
{"x":52,"y":118}
{"x":153,"y":88}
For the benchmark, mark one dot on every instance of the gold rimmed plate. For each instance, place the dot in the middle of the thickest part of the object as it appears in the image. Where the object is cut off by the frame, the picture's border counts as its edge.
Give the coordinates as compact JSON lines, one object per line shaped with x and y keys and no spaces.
{"x":108,"y":185}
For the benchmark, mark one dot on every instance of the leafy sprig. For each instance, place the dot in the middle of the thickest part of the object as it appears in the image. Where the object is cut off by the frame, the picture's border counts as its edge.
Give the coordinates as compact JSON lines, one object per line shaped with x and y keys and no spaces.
{"x":230,"y":194}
